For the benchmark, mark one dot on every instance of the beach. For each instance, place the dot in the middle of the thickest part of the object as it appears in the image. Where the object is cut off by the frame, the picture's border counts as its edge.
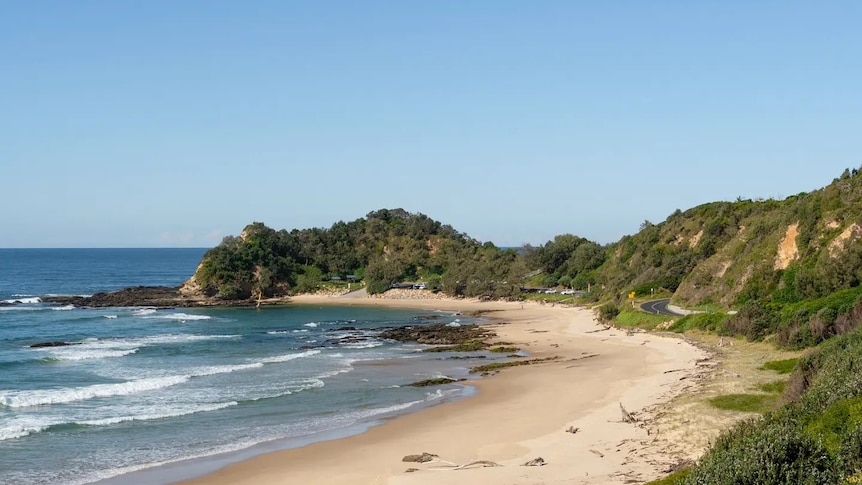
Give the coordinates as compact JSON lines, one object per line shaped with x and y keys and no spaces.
{"x":565,"y":410}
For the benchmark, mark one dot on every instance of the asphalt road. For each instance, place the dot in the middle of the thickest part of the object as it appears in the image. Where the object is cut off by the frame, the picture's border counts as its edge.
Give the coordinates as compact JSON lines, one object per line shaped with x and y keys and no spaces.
{"x":659,"y":307}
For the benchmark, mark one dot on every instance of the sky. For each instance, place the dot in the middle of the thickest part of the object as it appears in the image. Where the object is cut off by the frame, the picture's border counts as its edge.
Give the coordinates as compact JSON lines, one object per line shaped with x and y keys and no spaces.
{"x":176,"y":123}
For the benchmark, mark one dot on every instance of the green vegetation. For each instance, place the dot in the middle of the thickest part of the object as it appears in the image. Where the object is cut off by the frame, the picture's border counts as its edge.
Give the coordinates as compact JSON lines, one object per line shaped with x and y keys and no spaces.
{"x":385,"y":247}
{"x":568,"y":261}
{"x":634,"y":318}
{"x":785,"y":366}
{"x":792,"y":268}
{"x":711,"y":322}
{"x":816,"y":438}
{"x":774,"y":387}
{"x":676,"y":478}
{"x":745,"y":403}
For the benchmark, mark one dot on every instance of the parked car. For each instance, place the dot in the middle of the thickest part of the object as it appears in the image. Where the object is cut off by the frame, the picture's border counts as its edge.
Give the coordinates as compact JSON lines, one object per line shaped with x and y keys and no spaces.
{"x":567,"y":292}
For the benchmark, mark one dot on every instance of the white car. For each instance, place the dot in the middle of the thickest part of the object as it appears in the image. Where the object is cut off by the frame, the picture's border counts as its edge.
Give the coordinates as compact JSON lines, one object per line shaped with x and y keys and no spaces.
{"x":567,"y":292}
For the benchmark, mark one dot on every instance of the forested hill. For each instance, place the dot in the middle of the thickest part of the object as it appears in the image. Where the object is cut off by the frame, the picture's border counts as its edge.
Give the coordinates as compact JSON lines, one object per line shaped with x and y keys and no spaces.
{"x":729,"y":253}
{"x":384,"y":247}
{"x":792,"y":265}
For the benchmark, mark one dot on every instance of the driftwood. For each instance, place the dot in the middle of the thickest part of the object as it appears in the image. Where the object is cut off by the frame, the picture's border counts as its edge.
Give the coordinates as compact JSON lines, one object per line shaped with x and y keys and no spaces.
{"x":597,"y":453}
{"x":734,"y":374}
{"x":535,"y":462}
{"x":599,"y":330}
{"x":572,"y":430}
{"x":477,"y":462}
{"x":588,"y":356}
{"x":627,"y":418}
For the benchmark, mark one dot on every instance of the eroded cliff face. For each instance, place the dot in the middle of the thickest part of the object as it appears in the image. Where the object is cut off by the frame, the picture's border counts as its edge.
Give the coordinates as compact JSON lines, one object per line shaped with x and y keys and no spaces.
{"x":788,"y":251}
{"x":191,"y":288}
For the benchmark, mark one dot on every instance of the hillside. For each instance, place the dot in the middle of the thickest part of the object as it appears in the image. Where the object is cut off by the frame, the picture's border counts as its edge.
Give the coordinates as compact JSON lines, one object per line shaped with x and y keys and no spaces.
{"x":728,"y":253}
{"x":385,"y":247}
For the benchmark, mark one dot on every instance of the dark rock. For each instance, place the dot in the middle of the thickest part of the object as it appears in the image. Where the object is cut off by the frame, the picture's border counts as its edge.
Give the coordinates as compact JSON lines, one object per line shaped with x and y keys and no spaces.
{"x":309,"y":347}
{"x":426,"y":317}
{"x":535,"y":462}
{"x":347,"y":340}
{"x":436,"y":334}
{"x":53,"y":344}
{"x":155,"y":296}
{"x":437,"y":381}
{"x":342,"y":329}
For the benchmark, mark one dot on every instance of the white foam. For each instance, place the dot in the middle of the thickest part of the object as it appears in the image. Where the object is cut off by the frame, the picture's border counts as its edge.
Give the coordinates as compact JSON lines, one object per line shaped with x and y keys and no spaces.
{"x":75,"y":353}
{"x":164,"y":414}
{"x":64,"y":308}
{"x":310,"y":324}
{"x":144,"y":311}
{"x":440,"y":394}
{"x":223,"y":369}
{"x":368,"y":344}
{"x":176,"y":338}
{"x":453,"y":324}
{"x":20,"y":399}
{"x":111,"y":317}
{"x":388,"y":409}
{"x":180,"y":316}
{"x":117,"y":471}
{"x":276,"y":332}
{"x":28,"y":300}
{"x":23,"y":426}
{"x":288,"y":357}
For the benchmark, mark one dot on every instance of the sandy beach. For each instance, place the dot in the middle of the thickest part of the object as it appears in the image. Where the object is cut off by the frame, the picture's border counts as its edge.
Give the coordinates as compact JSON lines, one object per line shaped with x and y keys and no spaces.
{"x":566,"y":411}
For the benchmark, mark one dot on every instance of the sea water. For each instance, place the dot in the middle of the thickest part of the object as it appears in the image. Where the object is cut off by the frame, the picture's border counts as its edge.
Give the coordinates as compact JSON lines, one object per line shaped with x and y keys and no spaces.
{"x":150,"y":395}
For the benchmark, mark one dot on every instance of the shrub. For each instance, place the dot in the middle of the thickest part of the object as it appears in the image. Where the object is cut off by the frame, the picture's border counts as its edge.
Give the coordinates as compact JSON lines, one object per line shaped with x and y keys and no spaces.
{"x":713,"y":322}
{"x":765,"y":452}
{"x":608,"y":312}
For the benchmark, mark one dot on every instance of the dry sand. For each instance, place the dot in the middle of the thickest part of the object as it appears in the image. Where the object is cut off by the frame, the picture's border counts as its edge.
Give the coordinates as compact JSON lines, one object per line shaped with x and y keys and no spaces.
{"x":517,"y":415}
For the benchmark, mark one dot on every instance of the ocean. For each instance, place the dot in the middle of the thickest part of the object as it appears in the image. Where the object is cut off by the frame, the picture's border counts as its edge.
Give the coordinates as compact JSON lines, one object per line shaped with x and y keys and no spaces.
{"x":151,"y":396}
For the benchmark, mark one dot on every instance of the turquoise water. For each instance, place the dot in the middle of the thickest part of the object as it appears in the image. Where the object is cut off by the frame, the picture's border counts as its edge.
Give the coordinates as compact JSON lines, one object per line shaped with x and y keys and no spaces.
{"x":194,"y":388}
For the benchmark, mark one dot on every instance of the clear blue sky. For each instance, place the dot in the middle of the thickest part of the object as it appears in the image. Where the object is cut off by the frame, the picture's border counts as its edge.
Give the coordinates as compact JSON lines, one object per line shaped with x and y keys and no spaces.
{"x":175,"y":123}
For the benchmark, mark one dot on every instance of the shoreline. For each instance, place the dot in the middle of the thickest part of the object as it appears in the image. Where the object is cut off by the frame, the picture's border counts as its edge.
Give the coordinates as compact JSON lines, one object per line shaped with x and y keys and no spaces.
{"x":513,"y":417}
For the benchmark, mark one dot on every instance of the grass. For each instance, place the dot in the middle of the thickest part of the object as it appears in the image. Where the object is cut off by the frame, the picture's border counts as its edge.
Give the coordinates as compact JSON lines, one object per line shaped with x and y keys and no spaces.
{"x":775,"y":387}
{"x":785,"y":366}
{"x":676,"y":478}
{"x":634,"y":318}
{"x":745,"y":403}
